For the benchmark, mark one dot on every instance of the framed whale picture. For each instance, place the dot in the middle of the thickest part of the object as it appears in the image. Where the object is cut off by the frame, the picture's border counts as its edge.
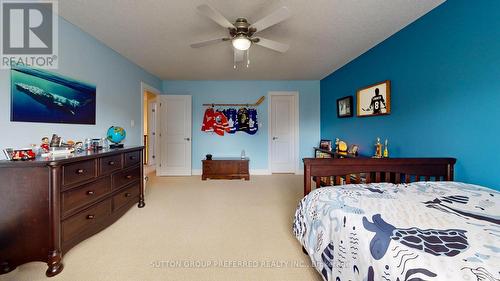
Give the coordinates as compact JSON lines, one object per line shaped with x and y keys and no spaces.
{"x":42,"y":96}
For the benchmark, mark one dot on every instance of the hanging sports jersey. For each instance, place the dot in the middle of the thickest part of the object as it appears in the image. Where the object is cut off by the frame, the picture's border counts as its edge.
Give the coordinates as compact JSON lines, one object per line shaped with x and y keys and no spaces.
{"x":208,"y":120}
{"x":220,"y":124}
{"x":253,"y":126}
{"x":232,"y":119}
{"x":243,"y":119}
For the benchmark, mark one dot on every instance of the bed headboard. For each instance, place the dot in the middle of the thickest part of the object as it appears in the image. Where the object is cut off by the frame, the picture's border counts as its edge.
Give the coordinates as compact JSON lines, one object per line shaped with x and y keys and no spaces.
{"x":368,"y":170}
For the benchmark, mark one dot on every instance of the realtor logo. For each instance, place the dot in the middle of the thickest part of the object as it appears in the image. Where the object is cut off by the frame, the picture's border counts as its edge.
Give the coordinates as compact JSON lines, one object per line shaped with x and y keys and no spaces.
{"x":29,"y":33}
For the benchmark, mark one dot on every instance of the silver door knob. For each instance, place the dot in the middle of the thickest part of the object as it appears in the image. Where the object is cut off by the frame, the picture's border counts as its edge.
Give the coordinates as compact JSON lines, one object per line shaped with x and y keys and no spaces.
{"x":187,"y":139}
{"x":275,"y":138}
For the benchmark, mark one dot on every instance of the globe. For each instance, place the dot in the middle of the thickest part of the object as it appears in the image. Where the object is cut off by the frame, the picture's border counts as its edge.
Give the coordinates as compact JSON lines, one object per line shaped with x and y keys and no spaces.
{"x":116,"y":134}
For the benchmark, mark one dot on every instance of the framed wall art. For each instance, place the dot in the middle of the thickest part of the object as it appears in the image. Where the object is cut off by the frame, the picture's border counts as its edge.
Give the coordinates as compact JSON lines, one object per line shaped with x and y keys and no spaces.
{"x":344,"y":107}
{"x":41,"y":96}
{"x":374,"y":100}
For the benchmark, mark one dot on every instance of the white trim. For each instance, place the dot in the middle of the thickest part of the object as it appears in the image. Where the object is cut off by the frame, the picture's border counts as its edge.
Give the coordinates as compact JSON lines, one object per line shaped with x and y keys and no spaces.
{"x":295,"y":94}
{"x":196,"y":172}
{"x":146,"y":87}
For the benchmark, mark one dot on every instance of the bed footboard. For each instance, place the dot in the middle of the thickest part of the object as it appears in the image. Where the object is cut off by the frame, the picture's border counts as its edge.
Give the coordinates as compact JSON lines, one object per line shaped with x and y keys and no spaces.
{"x":374,"y":170}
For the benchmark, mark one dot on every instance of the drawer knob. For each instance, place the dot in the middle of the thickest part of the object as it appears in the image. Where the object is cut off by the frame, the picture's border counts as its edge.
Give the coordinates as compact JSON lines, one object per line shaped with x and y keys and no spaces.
{"x":80,"y":171}
{"x":128,"y":177}
{"x":127,"y":194}
{"x":132,"y":157}
{"x":91,"y":217}
{"x":111,"y":163}
{"x":90,"y":192}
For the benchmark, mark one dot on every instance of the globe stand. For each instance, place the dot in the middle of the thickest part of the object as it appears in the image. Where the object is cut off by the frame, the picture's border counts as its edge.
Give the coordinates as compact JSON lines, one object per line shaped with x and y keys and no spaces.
{"x":118,"y":145}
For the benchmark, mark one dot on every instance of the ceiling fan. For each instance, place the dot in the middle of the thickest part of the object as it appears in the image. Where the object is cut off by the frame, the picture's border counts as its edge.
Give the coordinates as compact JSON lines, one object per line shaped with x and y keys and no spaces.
{"x":242,"y":33}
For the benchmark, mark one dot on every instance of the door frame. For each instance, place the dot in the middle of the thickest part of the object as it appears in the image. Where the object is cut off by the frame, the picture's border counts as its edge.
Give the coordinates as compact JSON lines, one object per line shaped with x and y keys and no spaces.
{"x":161,"y":99}
{"x":149,"y":88}
{"x":296,"y":127}
{"x":151,"y":159}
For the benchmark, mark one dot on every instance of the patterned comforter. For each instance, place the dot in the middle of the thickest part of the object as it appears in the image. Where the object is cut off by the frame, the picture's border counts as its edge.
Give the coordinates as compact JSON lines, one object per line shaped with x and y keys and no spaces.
{"x":417,"y":231}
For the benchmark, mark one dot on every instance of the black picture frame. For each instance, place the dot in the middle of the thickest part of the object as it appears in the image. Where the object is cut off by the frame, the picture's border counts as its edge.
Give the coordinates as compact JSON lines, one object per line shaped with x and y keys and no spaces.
{"x":326,"y":144}
{"x":345,"y":107}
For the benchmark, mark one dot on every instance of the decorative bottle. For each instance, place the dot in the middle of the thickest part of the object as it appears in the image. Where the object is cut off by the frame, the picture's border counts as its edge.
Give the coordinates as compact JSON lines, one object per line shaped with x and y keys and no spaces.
{"x":386,"y":150}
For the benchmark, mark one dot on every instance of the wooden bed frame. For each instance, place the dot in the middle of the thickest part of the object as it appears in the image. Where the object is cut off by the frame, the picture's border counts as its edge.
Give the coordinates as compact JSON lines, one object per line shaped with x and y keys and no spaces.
{"x":373,"y":170}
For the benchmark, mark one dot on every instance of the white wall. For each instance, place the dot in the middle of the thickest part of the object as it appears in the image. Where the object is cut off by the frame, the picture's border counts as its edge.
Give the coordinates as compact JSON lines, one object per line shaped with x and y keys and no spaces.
{"x":119,"y":95}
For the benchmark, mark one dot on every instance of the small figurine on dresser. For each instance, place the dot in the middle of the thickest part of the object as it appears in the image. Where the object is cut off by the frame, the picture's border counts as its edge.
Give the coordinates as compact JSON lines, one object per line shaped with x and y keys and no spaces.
{"x":69,"y":143}
{"x":45,"y":144}
{"x":23,"y":154}
{"x":386,"y":150}
{"x":378,"y":149}
{"x":342,"y":148}
{"x":79,"y":147}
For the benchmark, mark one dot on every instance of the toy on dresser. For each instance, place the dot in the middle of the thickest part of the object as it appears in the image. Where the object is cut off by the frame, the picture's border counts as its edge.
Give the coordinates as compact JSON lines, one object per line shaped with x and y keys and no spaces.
{"x":380,"y":150}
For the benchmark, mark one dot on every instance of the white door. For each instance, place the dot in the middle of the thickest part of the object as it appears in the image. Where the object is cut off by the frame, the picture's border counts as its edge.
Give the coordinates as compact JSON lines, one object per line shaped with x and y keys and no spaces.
{"x":283,"y":131}
{"x":175,"y":136}
{"x":152,"y":110}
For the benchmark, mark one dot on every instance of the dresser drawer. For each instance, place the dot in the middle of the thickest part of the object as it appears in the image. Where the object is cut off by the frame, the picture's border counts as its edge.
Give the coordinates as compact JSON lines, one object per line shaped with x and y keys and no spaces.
{"x":128,"y":194}
{"x":79,"y":172}
{"x":86,"y":194}
{"x":132,"y":158}
{"x":110,"y":164}
{"x":125,"y":177}
{"x":85,"y":219}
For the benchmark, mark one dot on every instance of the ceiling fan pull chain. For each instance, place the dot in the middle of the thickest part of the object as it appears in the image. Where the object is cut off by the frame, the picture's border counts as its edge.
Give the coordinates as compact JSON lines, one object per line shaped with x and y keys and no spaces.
{"x":248,"y":58}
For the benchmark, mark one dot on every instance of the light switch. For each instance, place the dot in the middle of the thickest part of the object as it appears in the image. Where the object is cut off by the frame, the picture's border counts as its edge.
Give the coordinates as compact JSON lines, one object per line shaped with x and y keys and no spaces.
{"x":132,"y":123}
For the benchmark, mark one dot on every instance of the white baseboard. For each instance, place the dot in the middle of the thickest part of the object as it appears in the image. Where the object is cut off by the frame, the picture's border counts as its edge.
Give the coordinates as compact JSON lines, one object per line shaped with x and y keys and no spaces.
{"x":196,"y":172}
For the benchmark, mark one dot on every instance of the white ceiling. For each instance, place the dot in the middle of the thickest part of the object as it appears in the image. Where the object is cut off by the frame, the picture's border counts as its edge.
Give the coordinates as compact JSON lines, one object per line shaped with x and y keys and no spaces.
{"x":323,"y":35}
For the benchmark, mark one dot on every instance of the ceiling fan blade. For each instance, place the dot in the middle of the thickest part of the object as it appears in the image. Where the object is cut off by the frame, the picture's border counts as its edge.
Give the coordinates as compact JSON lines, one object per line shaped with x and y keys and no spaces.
{"x":275,"y":17}
{"x":273,"y":45}
{"x":213,"y":14}
{"x":238,"y":55}
{"x":207,"y":42}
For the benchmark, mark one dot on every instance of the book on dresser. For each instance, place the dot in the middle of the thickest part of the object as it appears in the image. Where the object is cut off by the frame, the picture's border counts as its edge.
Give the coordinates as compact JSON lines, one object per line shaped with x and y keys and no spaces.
{"x":50,"y":205}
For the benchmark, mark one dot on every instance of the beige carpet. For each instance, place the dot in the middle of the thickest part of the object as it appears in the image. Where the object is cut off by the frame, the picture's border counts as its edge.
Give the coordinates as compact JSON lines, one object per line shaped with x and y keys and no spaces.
{"x":195,"y":230}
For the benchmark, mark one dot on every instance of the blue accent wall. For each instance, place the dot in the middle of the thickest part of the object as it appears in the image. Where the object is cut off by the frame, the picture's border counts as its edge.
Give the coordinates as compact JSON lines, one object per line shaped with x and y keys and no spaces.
{"x":119,"y":96}
{"x":255,"y":146}
{"x":445,"y":74}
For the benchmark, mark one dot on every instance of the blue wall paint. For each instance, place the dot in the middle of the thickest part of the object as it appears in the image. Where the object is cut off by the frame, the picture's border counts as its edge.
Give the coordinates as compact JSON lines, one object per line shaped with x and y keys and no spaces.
{"x":118,"y":83}
{"x":255,"y":146}
{"x":445,"y":75}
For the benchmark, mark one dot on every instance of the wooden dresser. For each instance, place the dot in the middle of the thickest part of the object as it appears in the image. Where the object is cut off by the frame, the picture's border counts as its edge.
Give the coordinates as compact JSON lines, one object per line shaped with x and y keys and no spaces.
{"x":47,"y":206}
{"x":225,"y":168}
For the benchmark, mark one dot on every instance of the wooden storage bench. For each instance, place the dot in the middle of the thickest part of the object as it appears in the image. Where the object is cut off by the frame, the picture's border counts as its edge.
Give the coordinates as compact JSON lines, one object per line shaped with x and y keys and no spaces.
{"x":225,"y":168}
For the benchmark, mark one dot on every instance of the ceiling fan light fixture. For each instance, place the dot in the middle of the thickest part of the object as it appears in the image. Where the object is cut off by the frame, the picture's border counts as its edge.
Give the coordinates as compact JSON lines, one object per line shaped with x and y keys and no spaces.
{"x":241,"y":42}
